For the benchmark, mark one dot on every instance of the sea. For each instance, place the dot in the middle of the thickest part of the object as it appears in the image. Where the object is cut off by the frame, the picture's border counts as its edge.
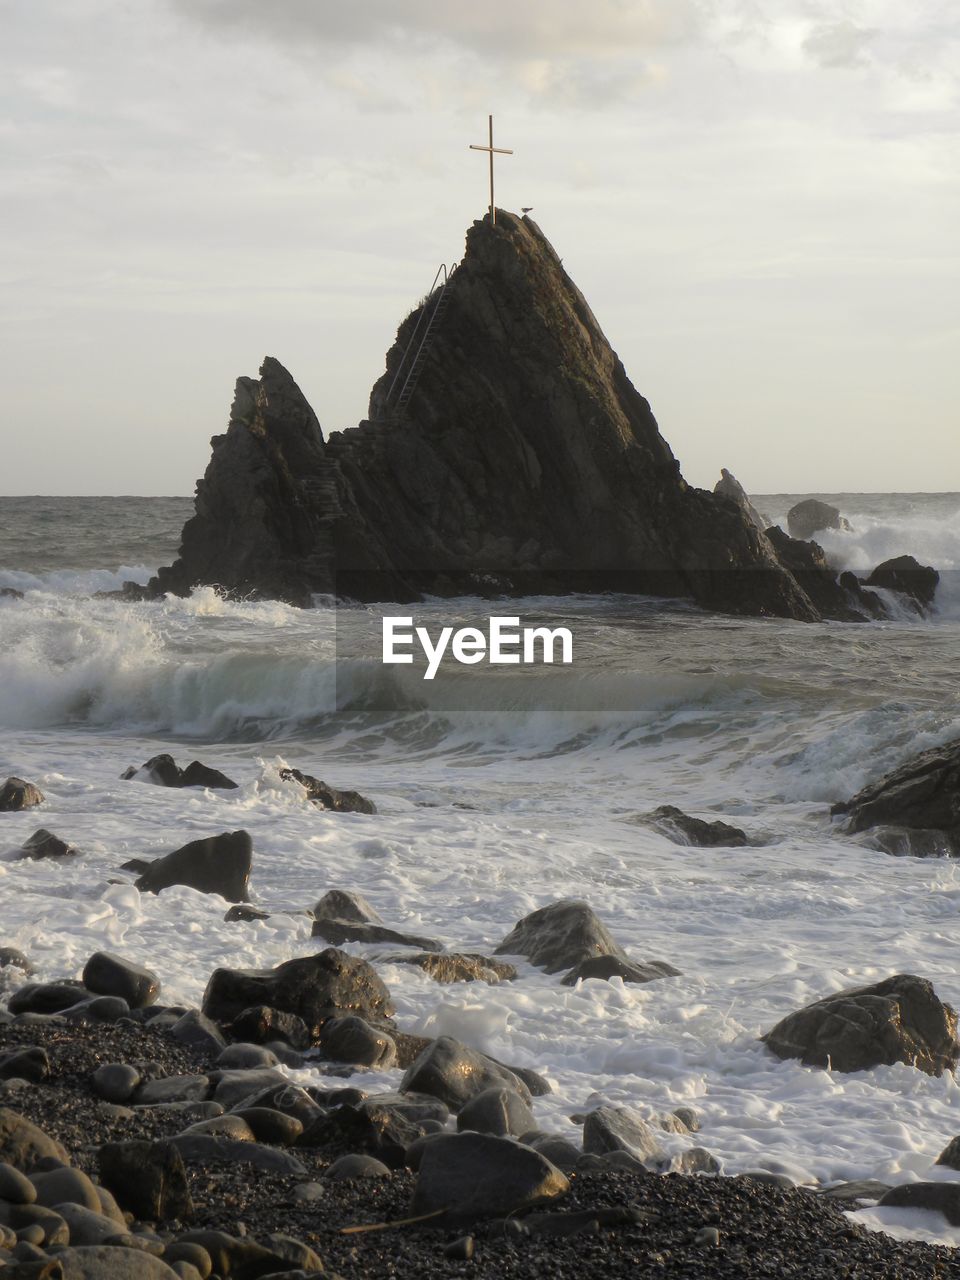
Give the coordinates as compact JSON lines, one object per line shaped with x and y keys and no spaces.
{"x":534,"y":785}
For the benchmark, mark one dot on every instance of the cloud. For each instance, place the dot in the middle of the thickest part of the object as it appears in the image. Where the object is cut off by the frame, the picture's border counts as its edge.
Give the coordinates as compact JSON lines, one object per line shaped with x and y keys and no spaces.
{"x":838,"y":44}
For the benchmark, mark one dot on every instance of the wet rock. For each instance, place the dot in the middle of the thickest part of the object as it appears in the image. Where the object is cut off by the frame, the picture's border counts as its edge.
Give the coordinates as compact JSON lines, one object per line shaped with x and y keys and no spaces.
{"x":110,"y":975}
{"x":31,"y":1063}
{"x":840,"y":596}
{"x":810,"y":516}
{"x":271,"y":1126}
{"x":918,"y":582}
{"x":607,"y":967}
{"x":44,"y":844}
{"x":692,"y":1161}
{"x":262,"y":1024}
{"x":454,"y":1073}
{"x":554,"y":1148}
{"x":197,"y":1030}
{"x":347,"y":1168}
{"x":560,"y":936}
{"x":225,"y":1126}
{"x":385,"y":1125}
{"x":233,"y":1087}
{"x":609,"y":1129}
{"x":900,"y":1019}
{"x":682,"y":829}
{"x":474,"y":1175}
{"x":45,"y":997}
{"x":191,"y":1088}
{"x":108,"y":1262}
{"x":344,"y":904}
{"x":338,"y":932}
{"x":207,"y":1150}
{"x":15,"y":1186}
{"x":14,"y":958}
{"x":944,"y":1197}
{"x":950,"y":1155}
{"x":456,"y":967}
{"x":288,"y":1100}
{"x":218,"y":864}
{"x":243,"y":1056}
{"x":854,"y":1193}
{"x":163,"y":771}
{"x":498,"y":1110}
{"x":315,"y":988}
{"x":244,"y":914}
{"x":17,"y":794}
{"x":919,"y":801}
{"x":115,"y":1081}
{"x":23,"y":1144}
{"x":350,"y":1039}
{"x":327,"y":797}
{"x":97,"y":1009}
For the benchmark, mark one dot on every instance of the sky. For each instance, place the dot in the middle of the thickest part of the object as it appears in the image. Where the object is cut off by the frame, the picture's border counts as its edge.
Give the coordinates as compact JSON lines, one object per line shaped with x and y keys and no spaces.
{"x":760,"y":200}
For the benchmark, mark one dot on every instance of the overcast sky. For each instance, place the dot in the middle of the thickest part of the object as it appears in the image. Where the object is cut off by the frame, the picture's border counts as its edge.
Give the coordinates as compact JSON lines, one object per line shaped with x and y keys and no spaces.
{"x":759,"y":198}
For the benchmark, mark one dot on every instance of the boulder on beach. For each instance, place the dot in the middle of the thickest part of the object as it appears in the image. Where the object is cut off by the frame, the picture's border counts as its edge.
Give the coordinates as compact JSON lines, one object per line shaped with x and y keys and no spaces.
{"x":559,"y":936}
{"x":476,"y":1175}
{"x":16,"y":794}
{"x":218,"y":864}
{"x":163,"y":771}
{"x":913,"y":809}
{"x":327,"y":797}
{"x":683,"y":829}
{"x":900,"y":1019}
{"x":454,"y":1073}
{"x":315,"y":988}
{"x":609,"y":1129}
{"x":110,"y":975}
{"x":941,"y":1197}
{"x":906,"y":575}
{"x":24,"y":1144}
{"x":810,"y":516}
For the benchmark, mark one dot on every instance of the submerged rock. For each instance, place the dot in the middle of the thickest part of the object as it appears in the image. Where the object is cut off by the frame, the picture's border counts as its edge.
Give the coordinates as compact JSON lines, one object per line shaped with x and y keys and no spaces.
{"x":681,"y":828}
{"x":343,"y":904}
{"x":218,"y":864}
{"x":915,"y":808}
{"x":918,"y":582}
{"x":522,"y":458}
{"x":163,"y":771}
{"x":327,"y":797}
{"x":16,"y":794}
{"x":900,"y":1019}
{"x":560,"y":936}
{"x":810,"y":516}
{"x":44,"y":844}
{"x":350,"y":1039}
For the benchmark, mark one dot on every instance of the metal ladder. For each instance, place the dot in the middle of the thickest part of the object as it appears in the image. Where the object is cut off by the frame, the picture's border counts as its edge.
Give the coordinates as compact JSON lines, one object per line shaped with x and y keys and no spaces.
{"x":412,"y":361}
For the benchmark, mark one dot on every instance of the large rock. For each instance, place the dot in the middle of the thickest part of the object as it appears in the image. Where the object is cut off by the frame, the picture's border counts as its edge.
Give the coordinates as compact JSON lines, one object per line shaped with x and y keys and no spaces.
{"x":23,"y":1144}
{"x":474,"y":1176}
{"x":344,"y":904}
{"x":810,"y":516}
{"x":898,"y":1020}
{"x":110,"y":975}
{"x":520,"y":452}
{"x":560,"y":936}
{"x":610,"y":1129}
{"x":918,"y":582}
{"x":842,"y":596}
{"x":314,"y":988}
{"x":218,"y":864}
{"x":499,"y":1110}
{"x":16,"y":794}
{"x":915,"y":808}
{"x":352,"y":1040}
{"x":454,"y":1073}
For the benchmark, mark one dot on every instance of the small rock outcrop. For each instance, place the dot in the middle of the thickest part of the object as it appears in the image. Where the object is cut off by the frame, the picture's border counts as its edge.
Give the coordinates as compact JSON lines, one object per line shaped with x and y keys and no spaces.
{"x":523,"y":459}
{"x":810,"y":516}
{"x":218,"y":864}
{"x":728,"y":486}
{"x":560,"y":936}
{"x":610,"y":1129}
{"x":914,"y":809}
{"x":842,"y":598}
{"x":683,"y":829}
{"x":44,"y":844}
{"x":163,"y":771}
{"x":326,"y":797}
{"x":16,"y":794}
{"x":898,"y":1020}
{"x":906,"y":575}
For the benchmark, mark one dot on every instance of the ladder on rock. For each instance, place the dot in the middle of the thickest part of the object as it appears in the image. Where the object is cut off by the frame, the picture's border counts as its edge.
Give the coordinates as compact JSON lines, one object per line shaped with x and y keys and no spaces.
{"x":412,"y":361}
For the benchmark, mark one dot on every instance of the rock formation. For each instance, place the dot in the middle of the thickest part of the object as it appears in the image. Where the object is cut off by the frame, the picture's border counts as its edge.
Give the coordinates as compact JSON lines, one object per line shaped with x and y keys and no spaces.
{"x":810,"y":516}
{"x":507,"y":452}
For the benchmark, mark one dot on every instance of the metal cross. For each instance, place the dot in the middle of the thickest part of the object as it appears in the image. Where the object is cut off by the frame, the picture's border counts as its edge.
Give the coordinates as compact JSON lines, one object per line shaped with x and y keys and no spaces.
{"x":500,"y":151}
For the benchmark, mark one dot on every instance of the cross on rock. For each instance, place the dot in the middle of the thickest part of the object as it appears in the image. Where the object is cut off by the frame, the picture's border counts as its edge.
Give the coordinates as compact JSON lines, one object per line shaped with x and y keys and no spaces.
{"x":500,"y":151}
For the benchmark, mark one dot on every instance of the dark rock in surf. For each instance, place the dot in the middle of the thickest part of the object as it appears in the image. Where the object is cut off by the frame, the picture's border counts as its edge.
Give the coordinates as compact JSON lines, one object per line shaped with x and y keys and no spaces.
{"x":918,"y":582}
{"x":337,"y":932}
{"x":810,"y":516}
{"x":950,"y":1155}
{"x":915,"y":808}
{"x":475,"y":1175}
{"x":942,"y":1197}
{"x":16,"y":794}
{"x":163,"y":771}
{"x":842,"y":597}
{"x":46,"y":997}
{"x":261,"y":1024}
{"x":607,"y":967}
{"x":683,"y":829}
{"x":110,"y":975}
{"x":609,"y":1129}
{"x":524,"y":460}
{"x":560,"y":936}
{"x":498,"y":1110}
{"x":900,"y":1019}
{"x":218,"y":864}
{"x":315,"y":988}
{"x":44,"y":844}
{"x":327,"y":797}
{"x":454,"y":1073}
{"x":343,"y":904}
{"x":243,"y":913}
{"x":10,"y":593}
{"x":351,"y":1039}
{"x":728,"y":486}
{"x":454,"y":966}
{"x":15,"y":958}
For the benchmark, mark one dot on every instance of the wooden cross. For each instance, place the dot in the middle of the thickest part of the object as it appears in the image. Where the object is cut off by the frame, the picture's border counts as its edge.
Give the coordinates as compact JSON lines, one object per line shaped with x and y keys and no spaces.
{"x":500,"y":151}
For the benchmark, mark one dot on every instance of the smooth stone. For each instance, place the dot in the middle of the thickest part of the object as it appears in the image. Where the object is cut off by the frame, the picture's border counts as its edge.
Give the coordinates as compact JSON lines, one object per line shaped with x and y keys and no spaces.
{"x":197,"y":1030}
{"x":16,"y":1187}
{"x":115,"y":1081}
{"x":19,"y":1216}
{"x":560,"y":936}
{"x":273,"y":1127}
{"x":110,"y":975}
{"x":46,"y":997}
{"x":350,"y":1167}
{"x":242,"y":1057}
{"x":557,"y":1150}
{"x":86,"y":1226}
{"x":294,"y":1251}
{"x":173,"y":1089}
{"x":226,"y":1126}
{"x":61,"y":1186}
{"x":344,"y":904}
{"x":944,"y":1197}
{"x":147,"y":1178}
{"x":474,"y":1175}
{"x":236,"y":1086}
{"x":30,"y":1063}
{"x":499,"y":1110}
{"x":204,"y":1149}
{"x":350,"y":1039}
{"x":44,"y":844}
{"x":610,"y":1129}
{"x":107,"y":1262}
{"x":454,"y":1073}
{"x":218,"y":864}
{"x":23,"y":1144}
{"x":263,"y":1025}
{"x":193,"y":1254}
